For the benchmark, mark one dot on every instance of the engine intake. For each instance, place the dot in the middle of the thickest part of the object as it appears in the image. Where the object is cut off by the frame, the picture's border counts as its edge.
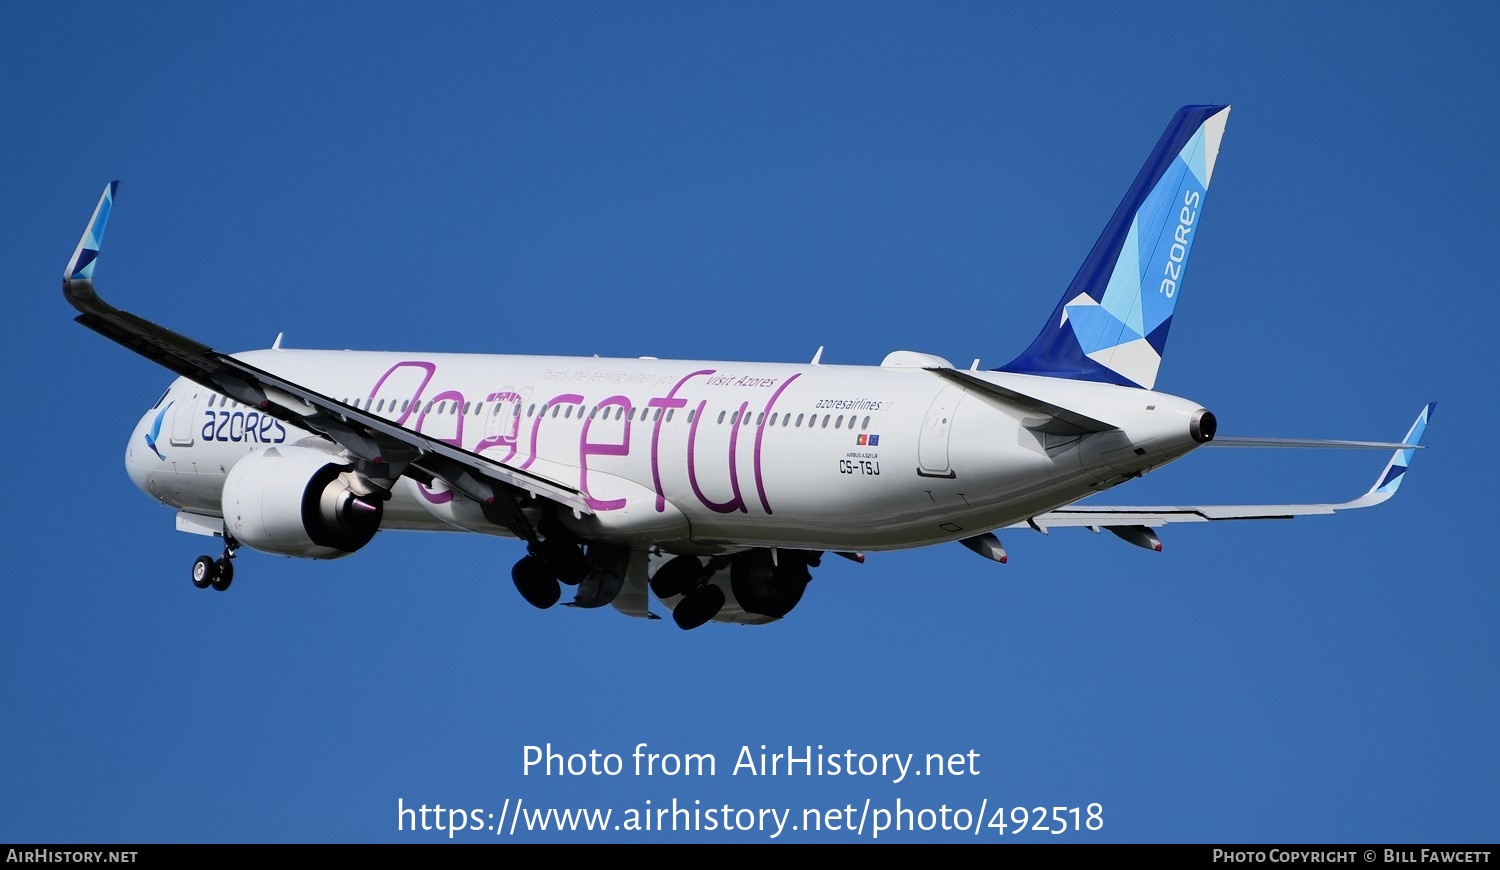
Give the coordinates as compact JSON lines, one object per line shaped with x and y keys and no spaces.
{"x":292,"y":501}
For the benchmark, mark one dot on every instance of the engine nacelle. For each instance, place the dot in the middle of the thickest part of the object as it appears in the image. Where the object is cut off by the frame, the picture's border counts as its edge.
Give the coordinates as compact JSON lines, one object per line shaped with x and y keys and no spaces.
{"x":291,"y":501}
{"x":770,"y":588}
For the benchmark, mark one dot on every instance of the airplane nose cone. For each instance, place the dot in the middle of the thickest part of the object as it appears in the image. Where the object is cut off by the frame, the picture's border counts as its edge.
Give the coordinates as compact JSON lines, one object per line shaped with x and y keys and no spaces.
{"x":139,"y":457}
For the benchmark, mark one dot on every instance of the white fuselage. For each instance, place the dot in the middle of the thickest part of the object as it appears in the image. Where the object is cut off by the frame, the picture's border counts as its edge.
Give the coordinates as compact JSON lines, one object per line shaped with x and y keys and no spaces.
{"x":696,"y":456}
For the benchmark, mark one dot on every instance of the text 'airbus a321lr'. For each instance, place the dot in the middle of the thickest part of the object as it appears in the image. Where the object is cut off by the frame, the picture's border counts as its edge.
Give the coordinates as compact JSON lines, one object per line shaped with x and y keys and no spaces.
{"x":717,"y":486}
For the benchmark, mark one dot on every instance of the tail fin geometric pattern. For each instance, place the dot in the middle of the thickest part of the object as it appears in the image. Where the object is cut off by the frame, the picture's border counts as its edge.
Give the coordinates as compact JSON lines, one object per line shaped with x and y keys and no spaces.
{"x":1111,"y":325}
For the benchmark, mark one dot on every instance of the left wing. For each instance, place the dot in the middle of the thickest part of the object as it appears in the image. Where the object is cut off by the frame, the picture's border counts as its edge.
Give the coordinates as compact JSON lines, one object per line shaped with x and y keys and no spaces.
{"x":1135,"y":524}
{"x":383,"y":450}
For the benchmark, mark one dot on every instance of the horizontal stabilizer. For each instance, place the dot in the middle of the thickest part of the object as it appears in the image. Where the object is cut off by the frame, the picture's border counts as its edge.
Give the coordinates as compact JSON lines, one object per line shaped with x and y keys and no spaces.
{"x":1153,"y":516}
{"x":1241,"y":441}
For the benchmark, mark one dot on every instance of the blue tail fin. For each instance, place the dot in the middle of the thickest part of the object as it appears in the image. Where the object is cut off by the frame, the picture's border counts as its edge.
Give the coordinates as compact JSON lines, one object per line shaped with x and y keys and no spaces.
{"x":1111,"y":325}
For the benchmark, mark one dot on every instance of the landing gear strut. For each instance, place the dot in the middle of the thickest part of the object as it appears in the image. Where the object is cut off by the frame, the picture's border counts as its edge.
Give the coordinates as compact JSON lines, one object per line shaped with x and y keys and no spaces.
{"x":218,"y":573}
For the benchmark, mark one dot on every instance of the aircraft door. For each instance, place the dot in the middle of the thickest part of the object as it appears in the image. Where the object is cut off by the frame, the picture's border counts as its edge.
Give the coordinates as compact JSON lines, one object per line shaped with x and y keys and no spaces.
{"x":932,"y":442}
{"x":185,"y":418}
{"x":502,"y":426}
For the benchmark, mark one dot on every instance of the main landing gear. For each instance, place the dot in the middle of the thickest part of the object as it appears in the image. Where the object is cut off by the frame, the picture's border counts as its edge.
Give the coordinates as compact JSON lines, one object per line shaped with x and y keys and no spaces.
{"x":218,"y":573}
{"x":540,"y":573}
{"x":552,"y":559}
{"x":764,"y":586}
{"x":686,"y":576}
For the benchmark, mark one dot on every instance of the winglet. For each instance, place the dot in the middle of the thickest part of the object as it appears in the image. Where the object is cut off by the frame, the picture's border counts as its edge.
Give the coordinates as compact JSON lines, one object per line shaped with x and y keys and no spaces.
{"x":1390,"y":479}
{"x":82,"y":264}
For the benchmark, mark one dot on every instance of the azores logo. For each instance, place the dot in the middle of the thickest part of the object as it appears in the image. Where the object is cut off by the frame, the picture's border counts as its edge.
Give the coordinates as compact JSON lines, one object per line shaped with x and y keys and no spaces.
{"x":1125,"y":329}
{"x":155,"y":432}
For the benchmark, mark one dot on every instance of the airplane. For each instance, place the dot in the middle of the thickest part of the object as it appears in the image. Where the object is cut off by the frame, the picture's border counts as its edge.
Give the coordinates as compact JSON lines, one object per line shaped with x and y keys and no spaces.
{"x":714,"y":487}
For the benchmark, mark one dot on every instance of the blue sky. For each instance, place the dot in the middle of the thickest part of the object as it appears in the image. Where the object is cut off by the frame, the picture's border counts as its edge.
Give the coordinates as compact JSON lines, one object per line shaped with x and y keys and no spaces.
{"x":752,"y":182}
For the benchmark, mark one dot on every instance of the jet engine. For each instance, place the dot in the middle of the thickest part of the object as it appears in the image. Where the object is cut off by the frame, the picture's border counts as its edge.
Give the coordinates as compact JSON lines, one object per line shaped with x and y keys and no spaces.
{"x":292,"y":501}
{"x":769,"y":587}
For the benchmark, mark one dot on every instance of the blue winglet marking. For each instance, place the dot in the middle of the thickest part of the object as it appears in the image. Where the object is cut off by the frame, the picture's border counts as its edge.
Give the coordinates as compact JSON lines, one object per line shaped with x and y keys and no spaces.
{"x":81,"y":266}
{"x":1390,"y":479}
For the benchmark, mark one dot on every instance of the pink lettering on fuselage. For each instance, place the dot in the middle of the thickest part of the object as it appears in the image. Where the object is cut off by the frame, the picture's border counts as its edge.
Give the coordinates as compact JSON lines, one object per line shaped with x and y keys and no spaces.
{"x":668,"y":402}
{"x":504,"y":433}
{"x":507,"y":424}
{"x":760,"y":433}
{"x":438,"y":404}
{"x":552,"y":404}
{"x":416,"y":397}
{"x":414,"y":405}
{"x":736,"y":501}
{"x":587,"y":448}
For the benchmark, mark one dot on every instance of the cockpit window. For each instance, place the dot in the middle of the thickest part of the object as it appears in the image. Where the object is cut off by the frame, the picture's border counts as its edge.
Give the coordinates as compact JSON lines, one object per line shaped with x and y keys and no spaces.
{"x":159,"y":401}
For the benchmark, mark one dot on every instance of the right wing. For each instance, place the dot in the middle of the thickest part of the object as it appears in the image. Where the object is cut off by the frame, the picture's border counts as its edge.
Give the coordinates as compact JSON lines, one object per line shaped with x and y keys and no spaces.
{"x":1135,"y":524}
{"x":384,"y":450}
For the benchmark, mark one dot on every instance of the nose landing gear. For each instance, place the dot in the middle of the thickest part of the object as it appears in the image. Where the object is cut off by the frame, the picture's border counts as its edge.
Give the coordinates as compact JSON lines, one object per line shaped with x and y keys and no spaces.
{"x":218,"y":573}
